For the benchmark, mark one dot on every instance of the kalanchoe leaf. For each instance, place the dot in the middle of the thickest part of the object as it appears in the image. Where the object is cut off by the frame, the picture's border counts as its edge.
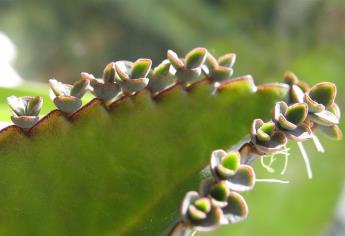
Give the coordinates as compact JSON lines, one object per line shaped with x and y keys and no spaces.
{"x":297,"y":87}
{"x":296,"y":113}
{"x":140,"y":68}
{"x":25,"y":122}
{"x":333,"y":131}
{"x":17,"y":105}
{"x":109,"y":73}
{"x":224,"y":164}
{"x":313,"y":106}
{"x":67,"y":104}
{"x":265,"y":131}
{"x":101,"y":88}
{"x":79,"y":88}
{"x":277,"y":139}
{"x":227,"y":60}
{"x":285,"y":124}
{"x":323,"y":93}
{"x":174,"y":59}
{"x":195,"y":58}
{"x":217,"y":191}
{"x":290,"y":78}
{"x":243,"y":180}
{"x":296,"y":94}
{"x":25,"y":106}
{"x":34,"y":106}
{"x":334,"y":108}
{"x":132,"y":86}
{"x":187,"y":76}
{"x":221,"y":73}
{"x":289,"y":118}
{"x":211,"y":62}
{"x":162,"y":69}
{"x":190,"y":206}
{"x":122,"y":71}
{"x":236,"y":209}
{"x":160,"y":78}
{"x":325,"y":118}
{"x":56,"y":87}
{"x":105,"y":91}
{"x":25,"y":110}
{"x":299,"y":134}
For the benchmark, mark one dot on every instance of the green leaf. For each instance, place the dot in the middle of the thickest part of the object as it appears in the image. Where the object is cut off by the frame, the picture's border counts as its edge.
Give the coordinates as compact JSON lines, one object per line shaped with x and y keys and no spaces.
{"x":195,"y":58}
{"x":17,"y":105}
{"x":34,"y":106}
{"x":122,"y":170}
{"x":296,"y":113}
{"x":140,"y":68}
{"x":174,"y":60}
{"x":162,"y":69}
{"x":227,"y":60}
{"x":79,"y":88}
{"x":109,"y":73}
{"x":323,"y":93}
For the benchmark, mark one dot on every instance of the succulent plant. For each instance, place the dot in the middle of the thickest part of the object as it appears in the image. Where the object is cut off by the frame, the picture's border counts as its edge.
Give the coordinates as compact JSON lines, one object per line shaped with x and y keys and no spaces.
{"x":68,"y":97}
{"x":219,"y":70}
{"x":133,"y":76}
{"x":105,"y":88}
{"x":289,"y":120}
{"x":188,"y":70}
{"x":297,"y":87}
{"x":199,"y":212}
{"x":25,"y":110}
{"x":55,"y":178}
{"x":160,"y":78}
{"x":226,"y":166}
{"x":266,"y":137}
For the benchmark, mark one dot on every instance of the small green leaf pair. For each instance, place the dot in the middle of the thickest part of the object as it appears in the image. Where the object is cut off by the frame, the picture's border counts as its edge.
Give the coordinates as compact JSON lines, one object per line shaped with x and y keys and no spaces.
{"x":188,"y":70}
{"x":289,"y":120}
{"x":323,"y":111}
{"x":201,"y":214}
{"x":297,"y":88}
{"x":266,"y":137}
{"x":104,"y":88}
{"x":132,"y":77}
{"x":219,"y":70}
{"x":25,"y":110}
{"x":160,"y":78}
{"x":68,"y":97}
{"x":227,"y":166}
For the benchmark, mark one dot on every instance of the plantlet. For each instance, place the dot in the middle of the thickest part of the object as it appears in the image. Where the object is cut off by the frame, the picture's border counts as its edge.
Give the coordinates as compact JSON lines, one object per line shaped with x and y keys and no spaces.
{"x":25,"y":110}
{"x":68,"y":97}
{"x":119,"y":164}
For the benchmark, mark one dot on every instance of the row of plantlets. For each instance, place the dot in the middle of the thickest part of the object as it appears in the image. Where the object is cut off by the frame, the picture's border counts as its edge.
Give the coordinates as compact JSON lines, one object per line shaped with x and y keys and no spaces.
{"x":218,"y":201}
{"x":125,"y":78}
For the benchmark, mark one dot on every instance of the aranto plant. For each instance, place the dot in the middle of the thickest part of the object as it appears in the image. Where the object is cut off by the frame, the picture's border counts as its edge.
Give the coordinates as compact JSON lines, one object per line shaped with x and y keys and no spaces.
{"x":124,"y":162}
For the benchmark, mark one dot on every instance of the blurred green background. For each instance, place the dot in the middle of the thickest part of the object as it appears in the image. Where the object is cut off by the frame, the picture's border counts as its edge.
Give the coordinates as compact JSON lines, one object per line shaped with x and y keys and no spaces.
{"x":62,"y":38}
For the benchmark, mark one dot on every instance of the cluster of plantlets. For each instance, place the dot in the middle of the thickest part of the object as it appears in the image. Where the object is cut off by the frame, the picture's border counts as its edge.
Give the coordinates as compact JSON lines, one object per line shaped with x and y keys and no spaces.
{"x":218,"y":201}
{"x":125,"y":78}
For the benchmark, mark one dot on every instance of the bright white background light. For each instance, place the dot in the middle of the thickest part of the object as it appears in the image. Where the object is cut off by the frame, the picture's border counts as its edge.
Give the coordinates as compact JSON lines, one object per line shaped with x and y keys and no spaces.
{"x":8,"y":76}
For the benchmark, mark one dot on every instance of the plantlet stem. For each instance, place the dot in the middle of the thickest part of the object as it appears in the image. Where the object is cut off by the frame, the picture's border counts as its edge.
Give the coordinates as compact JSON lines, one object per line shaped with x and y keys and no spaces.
{"x":306,"y":159}
{"x":272,"y":181}
{"x":318,"y":145}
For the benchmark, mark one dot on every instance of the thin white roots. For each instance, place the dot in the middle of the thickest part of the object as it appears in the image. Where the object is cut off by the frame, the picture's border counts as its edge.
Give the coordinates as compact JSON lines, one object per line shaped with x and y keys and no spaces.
{"x":272,"y":181}
{"x":272,"y":157}
{"x":306,"y":160}
{"x":317,"y":144}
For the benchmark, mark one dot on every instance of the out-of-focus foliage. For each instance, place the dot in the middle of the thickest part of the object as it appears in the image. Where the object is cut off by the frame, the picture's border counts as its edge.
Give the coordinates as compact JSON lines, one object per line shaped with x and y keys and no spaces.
{"x":62,"y":38}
